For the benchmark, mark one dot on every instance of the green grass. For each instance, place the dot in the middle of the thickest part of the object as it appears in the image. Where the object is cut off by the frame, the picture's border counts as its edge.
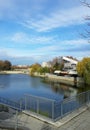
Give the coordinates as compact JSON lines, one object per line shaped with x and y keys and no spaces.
{"x":44,"y":113}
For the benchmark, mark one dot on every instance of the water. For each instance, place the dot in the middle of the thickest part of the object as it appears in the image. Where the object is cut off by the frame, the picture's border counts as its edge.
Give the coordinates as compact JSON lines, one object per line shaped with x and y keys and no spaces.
{"x":15,"y":86}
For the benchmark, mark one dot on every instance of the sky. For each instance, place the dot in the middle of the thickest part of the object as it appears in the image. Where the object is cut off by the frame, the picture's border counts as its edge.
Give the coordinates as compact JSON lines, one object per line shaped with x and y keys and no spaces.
{"x":34,"y":31}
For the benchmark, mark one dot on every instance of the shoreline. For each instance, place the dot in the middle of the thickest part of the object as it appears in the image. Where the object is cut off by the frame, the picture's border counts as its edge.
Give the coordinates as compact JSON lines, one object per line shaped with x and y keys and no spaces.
{"x":65,"y":80}
{"x":48,"y":77}
{"x":12,"y":72}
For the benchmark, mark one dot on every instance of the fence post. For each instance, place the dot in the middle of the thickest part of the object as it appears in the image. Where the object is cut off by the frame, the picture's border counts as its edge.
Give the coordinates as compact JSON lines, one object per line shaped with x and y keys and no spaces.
{"x":88,"y":96}
{"x":61,"y":109}
{"x":16,"y":120}
{"x":25,"y":103}
{"x":20,"y":105}
{"x":53,"y":110}
{"x":37,"y":106}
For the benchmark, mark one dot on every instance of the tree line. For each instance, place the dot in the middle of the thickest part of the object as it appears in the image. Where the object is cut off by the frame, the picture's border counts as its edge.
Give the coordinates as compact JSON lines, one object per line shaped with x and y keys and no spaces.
{"x":55,"y":64}
{"x":83,"y":69}
{"x":5,"y":65}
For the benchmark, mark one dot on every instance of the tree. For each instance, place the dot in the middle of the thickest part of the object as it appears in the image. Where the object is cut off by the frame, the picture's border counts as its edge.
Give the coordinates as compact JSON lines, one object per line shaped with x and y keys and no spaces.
{"x":1,"y":65}
{"x":34,"y":68}
{"x":87,"y":73}
{"x":56,"y":66}
{"x":83,"y":69}
{"x":86,"y":3}
{"x":87,"y":18}
{"x":5,"y":65}
{"x":43,"y":70}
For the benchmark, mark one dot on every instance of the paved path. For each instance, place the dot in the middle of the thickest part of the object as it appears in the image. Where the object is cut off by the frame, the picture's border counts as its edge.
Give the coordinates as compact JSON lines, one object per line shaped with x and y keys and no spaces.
{"x":80,"y":122}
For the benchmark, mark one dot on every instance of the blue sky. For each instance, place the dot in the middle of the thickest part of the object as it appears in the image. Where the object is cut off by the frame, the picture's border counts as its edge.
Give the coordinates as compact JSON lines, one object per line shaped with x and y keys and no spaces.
{"x":38,"y":30}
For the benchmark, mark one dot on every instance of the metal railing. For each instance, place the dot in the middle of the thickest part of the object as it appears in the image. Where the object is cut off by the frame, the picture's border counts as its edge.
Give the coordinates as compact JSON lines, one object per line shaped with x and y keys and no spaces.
{"x":12,"y":104}
{"x":55,"y":109}
{"x":70,"y":104}
{"x":49,"y":108}
{"x":40,"y":105}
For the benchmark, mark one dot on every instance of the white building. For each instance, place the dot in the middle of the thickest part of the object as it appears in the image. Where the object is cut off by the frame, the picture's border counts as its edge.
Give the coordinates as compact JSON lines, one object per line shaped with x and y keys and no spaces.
{"x":69,"y":63}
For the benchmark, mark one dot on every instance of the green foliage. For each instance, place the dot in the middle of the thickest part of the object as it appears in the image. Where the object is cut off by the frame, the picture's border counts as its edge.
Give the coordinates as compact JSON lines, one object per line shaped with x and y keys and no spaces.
{"x":58,"y":66}
{"x":43,"y":70}
{"x":87,"y":73}
{"x":34,"y":68}
{"x":83,"y":69}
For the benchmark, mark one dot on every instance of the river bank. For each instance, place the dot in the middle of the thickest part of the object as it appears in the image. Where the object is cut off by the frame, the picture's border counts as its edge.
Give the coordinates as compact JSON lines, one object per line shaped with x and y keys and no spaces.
{"x":64,"y":79}
{"x":50,"y":77}
{"x":73,"y":81}
{"x":12,"y":72}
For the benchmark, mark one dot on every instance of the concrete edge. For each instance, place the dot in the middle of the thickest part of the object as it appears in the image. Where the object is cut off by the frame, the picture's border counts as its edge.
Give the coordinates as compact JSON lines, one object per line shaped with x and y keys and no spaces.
{"x":60,"y":122}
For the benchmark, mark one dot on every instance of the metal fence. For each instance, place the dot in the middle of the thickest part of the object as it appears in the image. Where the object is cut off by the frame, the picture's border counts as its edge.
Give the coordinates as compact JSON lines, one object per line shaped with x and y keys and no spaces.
{"x":49,"y":108}
{"x":55,"y":109}
{"x":40,"y":105}
{"x":20,"y":105}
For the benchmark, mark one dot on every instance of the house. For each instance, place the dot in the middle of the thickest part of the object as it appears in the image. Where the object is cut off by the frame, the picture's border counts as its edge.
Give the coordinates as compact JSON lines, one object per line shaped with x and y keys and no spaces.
{"x":69,"y":63}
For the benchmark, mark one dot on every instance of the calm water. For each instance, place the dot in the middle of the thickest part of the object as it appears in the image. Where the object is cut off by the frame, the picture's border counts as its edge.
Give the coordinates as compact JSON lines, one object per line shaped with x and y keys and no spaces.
{"x":15,"y":86}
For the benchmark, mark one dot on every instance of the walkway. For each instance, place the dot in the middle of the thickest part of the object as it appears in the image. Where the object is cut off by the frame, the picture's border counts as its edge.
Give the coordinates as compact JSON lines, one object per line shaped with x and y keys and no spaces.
{"x":80,"y":122}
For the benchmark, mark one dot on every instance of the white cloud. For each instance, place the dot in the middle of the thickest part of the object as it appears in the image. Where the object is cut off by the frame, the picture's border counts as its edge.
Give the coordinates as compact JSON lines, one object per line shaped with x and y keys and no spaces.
{"x":24,"y":38}
{"x":29,"y":13}
{"x":56,"y":47}
{"x":18,"y":37}
{"x":76,"y":42}
{"x":3,"y":53}
{"x":62,"y":47}
{"x":19,"y":10}
{"x":60,"y":18}
{"x":76,"y":48}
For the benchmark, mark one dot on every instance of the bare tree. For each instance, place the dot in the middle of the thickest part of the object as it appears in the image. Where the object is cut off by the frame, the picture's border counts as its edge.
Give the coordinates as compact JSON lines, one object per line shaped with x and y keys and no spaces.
{"x":87,"y":18}
{"x":86,"y":3}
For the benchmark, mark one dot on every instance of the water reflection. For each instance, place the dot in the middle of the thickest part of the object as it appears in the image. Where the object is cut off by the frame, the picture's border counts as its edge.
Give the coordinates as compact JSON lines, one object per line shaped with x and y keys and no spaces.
{"x":16,"y":85}
{"x":4,"y":81}
{"x":66,"y":90}
{"x":34,"y":82}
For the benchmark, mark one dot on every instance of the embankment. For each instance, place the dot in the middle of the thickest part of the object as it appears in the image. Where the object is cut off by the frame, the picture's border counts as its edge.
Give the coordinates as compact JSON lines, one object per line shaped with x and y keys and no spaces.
{"x":64,"y":79}
{"x":11,"y":72}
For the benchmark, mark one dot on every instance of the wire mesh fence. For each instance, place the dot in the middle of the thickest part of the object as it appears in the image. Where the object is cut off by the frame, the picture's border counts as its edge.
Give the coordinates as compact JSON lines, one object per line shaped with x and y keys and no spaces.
{"x":55,"y":109}
{"x":52,"y":109}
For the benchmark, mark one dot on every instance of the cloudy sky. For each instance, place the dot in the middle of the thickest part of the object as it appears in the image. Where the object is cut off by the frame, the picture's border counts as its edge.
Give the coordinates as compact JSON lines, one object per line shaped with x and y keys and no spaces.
{"x":39,"y":30}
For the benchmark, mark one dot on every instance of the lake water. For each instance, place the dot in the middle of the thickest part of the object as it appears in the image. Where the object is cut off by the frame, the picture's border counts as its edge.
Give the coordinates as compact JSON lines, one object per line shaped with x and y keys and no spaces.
{"x":15,"y":86}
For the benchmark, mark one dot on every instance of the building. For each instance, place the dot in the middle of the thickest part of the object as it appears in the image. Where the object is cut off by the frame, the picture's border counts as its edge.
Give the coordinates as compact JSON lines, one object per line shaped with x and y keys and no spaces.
{"x":69,"y":63}
{"x":69,"y":67}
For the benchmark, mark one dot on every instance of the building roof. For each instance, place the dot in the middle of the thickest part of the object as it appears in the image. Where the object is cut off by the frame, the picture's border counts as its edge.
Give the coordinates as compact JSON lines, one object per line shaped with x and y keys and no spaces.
{"x":70,"y":60}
